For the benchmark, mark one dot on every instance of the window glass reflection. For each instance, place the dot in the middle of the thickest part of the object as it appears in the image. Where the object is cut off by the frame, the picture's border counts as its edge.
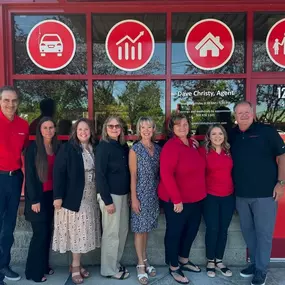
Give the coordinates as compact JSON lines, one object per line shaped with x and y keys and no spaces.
{"x":102,"y":24}
{"x":206,"y":102}
{"x":181,"y":23}
{"x":69,"y":97}
{"x":23,"y":25}
{"x":270,"y":108}
{"x":262,"y":25}
{"x":130,"y":100}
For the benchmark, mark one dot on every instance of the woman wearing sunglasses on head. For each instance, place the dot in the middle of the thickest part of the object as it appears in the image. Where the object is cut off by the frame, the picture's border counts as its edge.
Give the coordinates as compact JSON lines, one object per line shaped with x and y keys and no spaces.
{"x":113,"y":186}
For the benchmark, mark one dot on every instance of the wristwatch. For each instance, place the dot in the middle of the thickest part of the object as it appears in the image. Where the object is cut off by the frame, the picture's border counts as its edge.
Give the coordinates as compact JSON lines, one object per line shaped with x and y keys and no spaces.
{"x":281,"y":182}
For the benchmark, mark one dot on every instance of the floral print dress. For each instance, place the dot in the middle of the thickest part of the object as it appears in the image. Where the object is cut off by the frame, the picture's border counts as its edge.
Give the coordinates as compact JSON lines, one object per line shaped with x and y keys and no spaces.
{"x":146,"y":188}
{"x":80,"y":232}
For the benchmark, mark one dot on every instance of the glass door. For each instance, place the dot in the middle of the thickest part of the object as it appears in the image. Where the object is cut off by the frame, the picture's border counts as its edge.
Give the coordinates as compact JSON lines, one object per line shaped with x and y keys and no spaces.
{"x":270,"y":109}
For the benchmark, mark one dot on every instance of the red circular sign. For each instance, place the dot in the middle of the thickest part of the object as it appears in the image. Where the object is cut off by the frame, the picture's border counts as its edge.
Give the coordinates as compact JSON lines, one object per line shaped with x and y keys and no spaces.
{"x":209,"y":44}
{"x":275,"y":43}
{"x":51,"y":45}
{"x":130,"y":45}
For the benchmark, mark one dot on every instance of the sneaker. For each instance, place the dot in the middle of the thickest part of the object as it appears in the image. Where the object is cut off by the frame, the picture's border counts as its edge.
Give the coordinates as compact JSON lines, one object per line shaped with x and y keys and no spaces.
{"x":259,"y":278}
{"x":10,"y":274}
{"x":248,"y":272}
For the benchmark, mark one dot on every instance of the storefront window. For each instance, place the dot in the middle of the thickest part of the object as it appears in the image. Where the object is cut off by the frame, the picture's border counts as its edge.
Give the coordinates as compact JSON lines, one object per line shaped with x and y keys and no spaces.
{"x":130,"y":100}
{"x":70,"y":98}
{"x":103,"y":23}
{"x":23,"y":24}
{"x":206,"y":102}
{"x":181,"y":23}
{"x":270,"y":108}
{"x":262,"y":24}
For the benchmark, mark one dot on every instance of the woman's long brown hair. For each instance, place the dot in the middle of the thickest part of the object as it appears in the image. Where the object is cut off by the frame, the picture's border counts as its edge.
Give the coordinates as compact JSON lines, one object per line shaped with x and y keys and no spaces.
{"x":225,"y":145}
{"x":41,"y":155}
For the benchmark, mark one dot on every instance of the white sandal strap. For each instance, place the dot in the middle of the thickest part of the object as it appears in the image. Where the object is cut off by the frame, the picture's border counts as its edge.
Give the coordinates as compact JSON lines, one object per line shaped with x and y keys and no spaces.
{"x":140,"y":265}
{"x":150,"y":269}
{"x":142,"y":275}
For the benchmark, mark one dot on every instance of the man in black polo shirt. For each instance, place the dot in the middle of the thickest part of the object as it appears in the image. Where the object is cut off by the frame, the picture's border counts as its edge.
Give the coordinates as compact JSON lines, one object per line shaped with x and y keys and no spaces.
{"x":259,"y":183}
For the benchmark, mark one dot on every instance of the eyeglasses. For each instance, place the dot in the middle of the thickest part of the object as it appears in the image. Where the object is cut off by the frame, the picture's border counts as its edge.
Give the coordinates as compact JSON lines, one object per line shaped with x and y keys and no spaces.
{"x":114,"y":127}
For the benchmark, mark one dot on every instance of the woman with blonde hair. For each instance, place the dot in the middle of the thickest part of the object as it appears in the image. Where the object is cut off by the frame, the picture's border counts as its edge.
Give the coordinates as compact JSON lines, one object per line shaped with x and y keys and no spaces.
{"x":113,"y":186}
{"x":144,"y":168}
{"x":219,"y":205}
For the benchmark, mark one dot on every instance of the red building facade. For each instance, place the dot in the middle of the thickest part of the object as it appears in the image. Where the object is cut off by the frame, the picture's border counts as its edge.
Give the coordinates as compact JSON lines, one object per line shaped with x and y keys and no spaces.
{"x":172,"y":80}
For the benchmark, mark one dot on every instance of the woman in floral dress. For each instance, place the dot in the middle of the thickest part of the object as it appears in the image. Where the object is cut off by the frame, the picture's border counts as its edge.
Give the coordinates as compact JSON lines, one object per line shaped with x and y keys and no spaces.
{"x":77,"y":218}
{"x":144,"y":169}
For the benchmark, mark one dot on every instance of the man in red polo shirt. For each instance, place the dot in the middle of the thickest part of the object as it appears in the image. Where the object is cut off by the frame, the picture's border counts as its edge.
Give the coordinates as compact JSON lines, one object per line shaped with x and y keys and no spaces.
{"x":13,"y":137}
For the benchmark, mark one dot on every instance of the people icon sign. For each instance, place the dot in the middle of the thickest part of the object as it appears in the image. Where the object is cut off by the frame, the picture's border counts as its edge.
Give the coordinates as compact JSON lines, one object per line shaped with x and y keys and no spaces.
{"x":275,"y":43}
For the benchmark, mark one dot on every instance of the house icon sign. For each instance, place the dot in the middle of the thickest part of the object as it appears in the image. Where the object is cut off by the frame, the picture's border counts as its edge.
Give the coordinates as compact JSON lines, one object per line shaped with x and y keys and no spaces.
{"x":209,"y":43}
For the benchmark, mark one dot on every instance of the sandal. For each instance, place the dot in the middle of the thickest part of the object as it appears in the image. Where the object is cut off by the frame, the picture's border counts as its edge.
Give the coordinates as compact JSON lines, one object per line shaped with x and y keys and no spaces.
{"x":150,"y":270}
{"x":84,"y":273}
{"x":142,"y":277}
{"x":125,"y":274}
{"x":178,"y":272}
{"x":184,"y":267}
{"x":44,"y":279}
{"x":211,"y":271}
{"x":50,"y":271}
{"x":224,"y":270}
{"x":76,"y":275}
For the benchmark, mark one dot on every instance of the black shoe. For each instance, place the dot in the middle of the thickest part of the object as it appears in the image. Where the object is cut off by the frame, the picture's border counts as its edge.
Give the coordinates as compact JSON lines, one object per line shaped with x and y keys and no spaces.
{"x":248,"y":272}
{"x":10,"y":274}
{"x":259,"y":278}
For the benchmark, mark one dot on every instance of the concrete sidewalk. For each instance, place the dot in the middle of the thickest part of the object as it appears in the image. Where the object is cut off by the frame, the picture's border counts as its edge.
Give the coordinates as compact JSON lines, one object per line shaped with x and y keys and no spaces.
{"x":276,"y":276}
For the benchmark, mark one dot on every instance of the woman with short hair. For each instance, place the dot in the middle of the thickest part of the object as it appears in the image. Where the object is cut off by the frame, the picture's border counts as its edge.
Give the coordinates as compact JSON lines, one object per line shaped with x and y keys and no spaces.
{"x":182,"y":189}
{"x":77,"y":215}
{"x":113,"y":186}
{"x":39,"y":164}
{"x":144,"y":169}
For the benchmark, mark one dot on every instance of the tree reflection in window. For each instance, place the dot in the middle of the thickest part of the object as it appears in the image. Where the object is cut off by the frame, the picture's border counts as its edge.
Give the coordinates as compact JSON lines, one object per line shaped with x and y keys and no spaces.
{"x":206,"y":102}
{"x":23,"y":25}
{"x":270,"y":107}
{"x":130,"y":100}
{"x":262,"y":24}
{"x":70,"y":98}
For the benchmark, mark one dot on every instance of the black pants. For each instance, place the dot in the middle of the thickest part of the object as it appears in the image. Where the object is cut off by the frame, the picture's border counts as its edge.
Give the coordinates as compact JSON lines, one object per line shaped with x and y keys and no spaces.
{"x":10,"y":193}
{"x":218,"y":212}
{"x":38,"y":257}
{"x":181,"y":230}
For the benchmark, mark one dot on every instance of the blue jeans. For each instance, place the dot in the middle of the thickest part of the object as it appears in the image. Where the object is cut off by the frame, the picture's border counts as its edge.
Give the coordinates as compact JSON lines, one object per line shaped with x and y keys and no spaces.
{"x":10,"y":193}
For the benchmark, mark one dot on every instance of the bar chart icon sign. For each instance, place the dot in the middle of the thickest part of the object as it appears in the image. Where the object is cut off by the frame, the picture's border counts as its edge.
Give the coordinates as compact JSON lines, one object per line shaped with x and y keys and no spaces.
{"x":130,"y":45}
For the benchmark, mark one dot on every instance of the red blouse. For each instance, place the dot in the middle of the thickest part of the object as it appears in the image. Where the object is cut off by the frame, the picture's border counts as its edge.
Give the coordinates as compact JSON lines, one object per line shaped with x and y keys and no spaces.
{"x":47,"y":186}
{"x":182,"y":173}
{"x":218,"y":173}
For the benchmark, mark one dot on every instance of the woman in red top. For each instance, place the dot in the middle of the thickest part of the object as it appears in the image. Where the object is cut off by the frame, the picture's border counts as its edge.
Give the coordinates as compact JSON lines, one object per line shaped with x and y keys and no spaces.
{"x":219,"y":205}
{"x":39,"y":160}
{"x":181,"y":189}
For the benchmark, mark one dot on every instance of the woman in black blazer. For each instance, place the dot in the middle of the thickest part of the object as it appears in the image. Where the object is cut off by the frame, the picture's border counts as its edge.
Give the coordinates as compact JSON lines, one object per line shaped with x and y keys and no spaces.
{"x":113,"y":186}
{"x":77,"y":214}
{"x":39,"y":160}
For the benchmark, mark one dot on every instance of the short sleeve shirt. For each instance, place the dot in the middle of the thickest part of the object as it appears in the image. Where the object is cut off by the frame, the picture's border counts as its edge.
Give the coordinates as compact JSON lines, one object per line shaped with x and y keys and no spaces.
{"x":254,"y":153}
{"x":14,"y":137}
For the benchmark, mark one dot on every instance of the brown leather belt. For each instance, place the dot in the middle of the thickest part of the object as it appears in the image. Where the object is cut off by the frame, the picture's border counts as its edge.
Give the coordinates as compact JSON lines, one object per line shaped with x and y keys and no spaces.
{"x":10,"y":173}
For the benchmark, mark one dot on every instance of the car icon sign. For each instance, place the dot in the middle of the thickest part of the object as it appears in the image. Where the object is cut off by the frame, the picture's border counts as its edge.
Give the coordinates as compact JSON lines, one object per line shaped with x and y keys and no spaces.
{"x":51,"y":43}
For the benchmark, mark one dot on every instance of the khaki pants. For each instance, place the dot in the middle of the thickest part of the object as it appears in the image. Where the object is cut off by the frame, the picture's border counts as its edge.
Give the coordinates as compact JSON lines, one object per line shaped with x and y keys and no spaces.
{"x":115,"y":231}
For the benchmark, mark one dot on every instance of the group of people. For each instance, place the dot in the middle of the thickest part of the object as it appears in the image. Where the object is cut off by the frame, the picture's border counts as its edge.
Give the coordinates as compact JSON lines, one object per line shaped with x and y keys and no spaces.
{"x":75,"y":190}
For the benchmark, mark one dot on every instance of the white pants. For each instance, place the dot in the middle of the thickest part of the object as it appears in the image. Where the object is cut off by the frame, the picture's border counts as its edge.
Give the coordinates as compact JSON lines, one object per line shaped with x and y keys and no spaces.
{"x":115,"y":231}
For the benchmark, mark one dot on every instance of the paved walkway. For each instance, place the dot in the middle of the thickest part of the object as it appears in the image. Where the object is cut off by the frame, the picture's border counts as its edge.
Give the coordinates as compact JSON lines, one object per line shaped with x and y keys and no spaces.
{"x":276,"y":276}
